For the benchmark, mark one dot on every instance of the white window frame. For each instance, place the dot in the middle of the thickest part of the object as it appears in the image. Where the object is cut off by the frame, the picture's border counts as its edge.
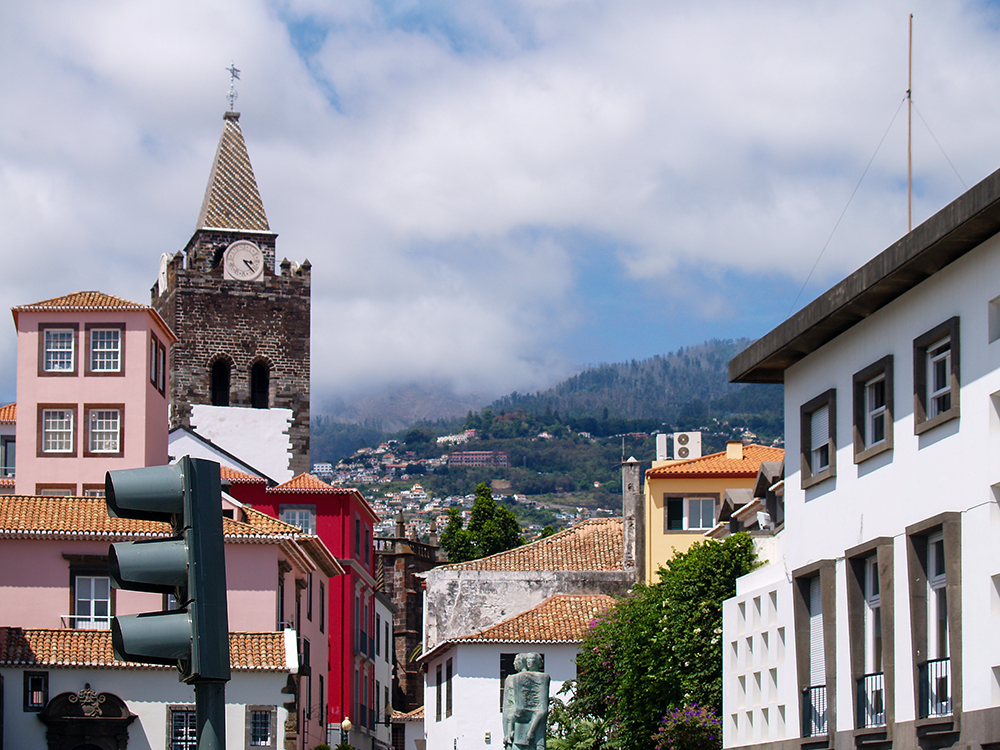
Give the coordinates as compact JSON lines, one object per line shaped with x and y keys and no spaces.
{"x":818,"y":438}
{"x":104,"y":430}
{"x":876,"y":411}
{"x":92,"y":593}
{"x":57,"y":342}
{"x":939,"y":377}
{"x":936,"y":376}
{"x":693,"y":513}
{"x":58,"y":431}
{"x":874,"y":655}
{"x":937,"y":599}
{"x":105,"y":350}
{"x":304,"y":518}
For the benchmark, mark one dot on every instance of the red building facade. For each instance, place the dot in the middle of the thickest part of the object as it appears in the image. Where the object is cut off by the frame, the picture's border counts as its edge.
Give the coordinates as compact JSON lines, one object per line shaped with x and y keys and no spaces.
{"x":344,"y":521}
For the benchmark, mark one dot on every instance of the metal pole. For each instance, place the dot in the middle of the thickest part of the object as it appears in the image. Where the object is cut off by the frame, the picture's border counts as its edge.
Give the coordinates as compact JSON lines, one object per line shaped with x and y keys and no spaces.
{"x":210,"y":709}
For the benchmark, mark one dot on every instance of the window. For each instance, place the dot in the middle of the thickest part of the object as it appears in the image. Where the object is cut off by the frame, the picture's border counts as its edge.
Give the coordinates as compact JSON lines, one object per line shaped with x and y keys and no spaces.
{"x":378,"y":629}
{"x":93,"y":490}
{"x":92,"y":603}
{"x":56,"y":430}
{"x":448,"y":674}
{"x":387,"y":637}
{"x":221,"y":371}
{"x":36,"y":690}
{"x":157,"y":364}
{"x":689,"y":513}
{"x":818,"y":422}
{"x":869,"y":624}
{"x":55,"y":490}
{"x":59,"y":350}
{"x":260,"y":726}
{"x":873,"y":408}
{"x":105,"y":348}
{"x":437,"y":694}
{"x":104,"y":429}
{"x":936,"y":376}
{"x":7,"y":456}
{"x":357,"y":538}
{"x":183,"y":724}
{"x":260,"y":385}
{"x":309,"y":597}
{"x":322,"y":607}
{"x":304,"y":518}
{"x":934,"y":555}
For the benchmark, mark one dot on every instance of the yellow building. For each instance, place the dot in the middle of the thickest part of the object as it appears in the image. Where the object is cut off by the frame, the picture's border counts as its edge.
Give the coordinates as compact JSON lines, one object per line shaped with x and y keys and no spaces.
{"x":682,"y":498}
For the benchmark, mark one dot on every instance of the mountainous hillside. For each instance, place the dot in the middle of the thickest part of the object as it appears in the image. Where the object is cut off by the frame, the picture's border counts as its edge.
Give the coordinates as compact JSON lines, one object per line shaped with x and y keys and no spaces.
{"x":682,"y":391}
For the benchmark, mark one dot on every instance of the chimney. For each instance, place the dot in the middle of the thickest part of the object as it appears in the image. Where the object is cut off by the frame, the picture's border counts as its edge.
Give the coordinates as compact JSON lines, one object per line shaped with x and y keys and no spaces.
{"x":634,"y":521}
{"x":734,"y":450}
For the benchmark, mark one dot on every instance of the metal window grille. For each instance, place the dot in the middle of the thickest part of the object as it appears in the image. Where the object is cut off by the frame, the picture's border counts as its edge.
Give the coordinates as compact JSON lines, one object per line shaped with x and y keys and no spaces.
{"x":935,"y":688}
{"x":871,"y":700}
{"x":260,"y":728}
{"x":183,"y":729}
{"x":814,"y":711}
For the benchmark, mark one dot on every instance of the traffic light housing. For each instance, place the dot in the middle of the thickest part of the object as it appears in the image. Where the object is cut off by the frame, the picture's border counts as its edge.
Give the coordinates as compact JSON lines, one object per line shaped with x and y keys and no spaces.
{"x":191,"y":565}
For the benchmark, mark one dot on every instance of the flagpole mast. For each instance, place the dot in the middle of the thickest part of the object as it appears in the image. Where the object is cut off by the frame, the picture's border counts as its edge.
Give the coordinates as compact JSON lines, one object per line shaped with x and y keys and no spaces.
{"x":909,"y":137}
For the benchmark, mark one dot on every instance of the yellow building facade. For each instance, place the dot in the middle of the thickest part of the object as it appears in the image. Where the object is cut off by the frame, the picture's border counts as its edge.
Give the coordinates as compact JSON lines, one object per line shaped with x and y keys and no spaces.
{"x":682,"y":498}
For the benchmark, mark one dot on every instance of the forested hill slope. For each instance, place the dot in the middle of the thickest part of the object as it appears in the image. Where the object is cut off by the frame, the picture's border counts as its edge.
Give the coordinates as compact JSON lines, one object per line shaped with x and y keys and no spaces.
{"x":683,"y":389}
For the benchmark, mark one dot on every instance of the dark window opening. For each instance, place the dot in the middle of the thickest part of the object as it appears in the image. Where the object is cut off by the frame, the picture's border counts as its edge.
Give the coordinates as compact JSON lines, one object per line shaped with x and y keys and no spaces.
{"x":260,"y":386}
{"x":675,"y":513}
{"x":220,"y":382}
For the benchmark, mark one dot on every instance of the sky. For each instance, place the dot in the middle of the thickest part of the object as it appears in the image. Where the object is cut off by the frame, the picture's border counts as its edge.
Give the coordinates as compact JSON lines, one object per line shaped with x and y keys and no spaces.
{"x":493,"y":194}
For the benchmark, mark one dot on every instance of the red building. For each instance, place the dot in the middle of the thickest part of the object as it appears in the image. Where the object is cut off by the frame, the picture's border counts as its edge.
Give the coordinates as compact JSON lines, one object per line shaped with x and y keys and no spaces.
{"x":344,"y":521}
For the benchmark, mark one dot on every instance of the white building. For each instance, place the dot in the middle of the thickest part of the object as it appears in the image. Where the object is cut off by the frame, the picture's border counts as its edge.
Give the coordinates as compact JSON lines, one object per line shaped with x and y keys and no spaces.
{"x":887,"y":572}
{"x":464,"y":675}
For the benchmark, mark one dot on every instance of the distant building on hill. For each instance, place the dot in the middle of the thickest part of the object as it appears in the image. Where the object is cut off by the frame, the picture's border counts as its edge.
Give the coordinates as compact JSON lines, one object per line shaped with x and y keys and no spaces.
{"x":478,"y":458}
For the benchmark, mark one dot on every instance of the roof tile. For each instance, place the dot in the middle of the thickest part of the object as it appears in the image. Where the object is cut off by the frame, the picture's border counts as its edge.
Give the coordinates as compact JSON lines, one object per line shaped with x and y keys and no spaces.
{"x":718,"y":465}
{"x":591,"y":545}
{"x":8,"y":414}
{"x":232,"y":200}
{"x":83,"y":301}
{"x":249,"y":652}
{"x":562,"y":618}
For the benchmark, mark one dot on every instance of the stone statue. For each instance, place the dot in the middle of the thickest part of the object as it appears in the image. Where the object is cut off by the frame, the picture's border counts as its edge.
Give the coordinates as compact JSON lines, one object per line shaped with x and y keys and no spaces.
{"x":525,"y":704}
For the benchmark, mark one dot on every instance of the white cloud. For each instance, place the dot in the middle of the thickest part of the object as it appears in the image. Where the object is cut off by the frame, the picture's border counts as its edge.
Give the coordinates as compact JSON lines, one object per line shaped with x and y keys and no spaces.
{"x":469,"y":179}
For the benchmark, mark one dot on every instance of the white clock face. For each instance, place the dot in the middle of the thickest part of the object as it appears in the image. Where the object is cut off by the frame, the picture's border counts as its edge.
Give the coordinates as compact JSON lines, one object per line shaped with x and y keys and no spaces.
{"x":243,"y":261}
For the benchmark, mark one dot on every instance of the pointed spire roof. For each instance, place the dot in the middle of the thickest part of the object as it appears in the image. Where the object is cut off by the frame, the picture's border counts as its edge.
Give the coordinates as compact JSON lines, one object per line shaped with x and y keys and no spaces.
{"x":232,"y":200}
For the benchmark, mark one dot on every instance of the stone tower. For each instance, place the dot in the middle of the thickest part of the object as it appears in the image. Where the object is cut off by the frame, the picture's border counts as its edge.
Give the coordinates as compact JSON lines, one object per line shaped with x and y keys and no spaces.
{"x":239,"y":373}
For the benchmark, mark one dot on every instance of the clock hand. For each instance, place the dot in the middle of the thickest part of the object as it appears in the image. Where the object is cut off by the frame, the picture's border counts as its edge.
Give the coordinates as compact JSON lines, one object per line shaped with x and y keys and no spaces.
{"x":249,"y":263}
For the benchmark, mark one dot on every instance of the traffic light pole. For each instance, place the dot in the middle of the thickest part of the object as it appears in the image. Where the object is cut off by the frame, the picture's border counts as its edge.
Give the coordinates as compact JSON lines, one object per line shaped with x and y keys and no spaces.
{"x":210,"y":707}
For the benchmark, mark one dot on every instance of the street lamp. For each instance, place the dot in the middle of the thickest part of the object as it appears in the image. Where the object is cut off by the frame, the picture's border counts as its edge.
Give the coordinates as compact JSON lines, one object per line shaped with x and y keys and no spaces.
{"x":345,"y":730}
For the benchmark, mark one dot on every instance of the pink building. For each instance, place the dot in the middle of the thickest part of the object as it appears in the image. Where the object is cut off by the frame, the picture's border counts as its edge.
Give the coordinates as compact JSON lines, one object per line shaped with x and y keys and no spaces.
{"x":91,"y":390}
{"x":54,"y":584}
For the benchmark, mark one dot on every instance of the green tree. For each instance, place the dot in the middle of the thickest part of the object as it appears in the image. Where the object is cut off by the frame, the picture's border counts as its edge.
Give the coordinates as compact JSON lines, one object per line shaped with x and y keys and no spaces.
{"x":660,"y":647}
{"x":492,"y":528}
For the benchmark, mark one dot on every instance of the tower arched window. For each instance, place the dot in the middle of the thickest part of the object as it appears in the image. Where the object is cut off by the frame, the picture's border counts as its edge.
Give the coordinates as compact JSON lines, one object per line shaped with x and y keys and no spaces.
{"x":221,"y":372}
{"x":260,"y":385}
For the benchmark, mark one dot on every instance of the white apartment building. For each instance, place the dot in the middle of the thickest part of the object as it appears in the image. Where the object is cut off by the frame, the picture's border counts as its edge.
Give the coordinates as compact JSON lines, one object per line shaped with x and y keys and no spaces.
{"x":874,"y":621}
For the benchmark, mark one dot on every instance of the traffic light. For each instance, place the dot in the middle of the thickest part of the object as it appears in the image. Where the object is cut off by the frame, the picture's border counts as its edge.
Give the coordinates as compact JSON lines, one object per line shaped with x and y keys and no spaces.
{"x":191,"y":565}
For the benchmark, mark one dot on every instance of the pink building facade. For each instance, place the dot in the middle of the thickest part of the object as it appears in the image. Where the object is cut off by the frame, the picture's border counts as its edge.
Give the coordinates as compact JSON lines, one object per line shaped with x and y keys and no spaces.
{"x":91,"y":386}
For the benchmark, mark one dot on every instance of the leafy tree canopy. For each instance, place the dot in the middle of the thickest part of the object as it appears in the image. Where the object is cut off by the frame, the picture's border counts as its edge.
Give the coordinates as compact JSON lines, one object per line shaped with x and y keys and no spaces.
{"x":492,"y":528}
{"x":660,"y":647}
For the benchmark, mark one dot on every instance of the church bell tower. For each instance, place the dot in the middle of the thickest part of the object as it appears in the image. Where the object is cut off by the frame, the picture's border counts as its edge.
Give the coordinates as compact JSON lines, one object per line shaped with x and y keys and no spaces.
{"x":239,"y":373}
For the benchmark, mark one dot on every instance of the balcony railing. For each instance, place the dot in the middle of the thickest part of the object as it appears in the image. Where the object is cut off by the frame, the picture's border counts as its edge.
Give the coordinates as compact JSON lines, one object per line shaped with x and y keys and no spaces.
{"x":814,"y":711}
{"x":935,"y":688}
{"x":86,"y":622}
{"x":871,"y":700}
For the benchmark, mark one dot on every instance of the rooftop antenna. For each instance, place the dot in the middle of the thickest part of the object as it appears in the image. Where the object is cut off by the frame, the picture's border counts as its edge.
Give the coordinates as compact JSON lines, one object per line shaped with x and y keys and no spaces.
{"x":234,"y":76}
{"x":909,"y":137}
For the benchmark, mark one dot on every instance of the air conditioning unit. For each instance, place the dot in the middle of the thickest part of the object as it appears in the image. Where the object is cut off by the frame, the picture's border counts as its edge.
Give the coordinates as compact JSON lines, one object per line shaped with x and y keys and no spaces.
{"x":687,"y":445}
{"x":661,"y":446}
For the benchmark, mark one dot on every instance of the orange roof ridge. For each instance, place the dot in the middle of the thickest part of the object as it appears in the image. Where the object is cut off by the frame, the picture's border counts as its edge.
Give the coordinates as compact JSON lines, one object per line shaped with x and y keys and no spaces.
{"x":234,"y":476}
{"x":83,"y":301}
{"x":8,"y":413}
{"x":306,"y":482}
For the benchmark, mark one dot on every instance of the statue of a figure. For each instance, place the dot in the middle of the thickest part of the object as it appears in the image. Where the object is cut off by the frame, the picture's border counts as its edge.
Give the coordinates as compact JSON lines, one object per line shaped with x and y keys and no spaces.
{"x":525,"y":704}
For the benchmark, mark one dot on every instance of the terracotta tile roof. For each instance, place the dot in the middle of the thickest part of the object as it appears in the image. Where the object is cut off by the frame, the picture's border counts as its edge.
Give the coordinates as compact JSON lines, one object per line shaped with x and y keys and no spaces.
{"x":82,"y":301}
{"x":43,"y":647}
{"x":591,"y":545}
{"x":8,"y":414}
{"x":232,"y":200}
{"x":6,"y":481}
{"x":717,"y":465}
{"x":416,"y":714}
{"x":561,"y":618}
{"x":308,"y":483}
{"x":87,"y":518}
{"x":235,"y":476}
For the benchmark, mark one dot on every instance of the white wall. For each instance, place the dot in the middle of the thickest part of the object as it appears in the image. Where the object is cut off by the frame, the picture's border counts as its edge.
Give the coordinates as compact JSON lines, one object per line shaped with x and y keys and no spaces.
{"x":147,"y":693}
{"x":476,"y":692}
{"x":238,"y":430}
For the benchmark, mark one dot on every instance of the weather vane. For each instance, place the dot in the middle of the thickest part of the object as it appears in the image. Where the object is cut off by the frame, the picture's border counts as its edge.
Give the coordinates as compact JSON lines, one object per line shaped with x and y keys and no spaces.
{"x":234,"y":76}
